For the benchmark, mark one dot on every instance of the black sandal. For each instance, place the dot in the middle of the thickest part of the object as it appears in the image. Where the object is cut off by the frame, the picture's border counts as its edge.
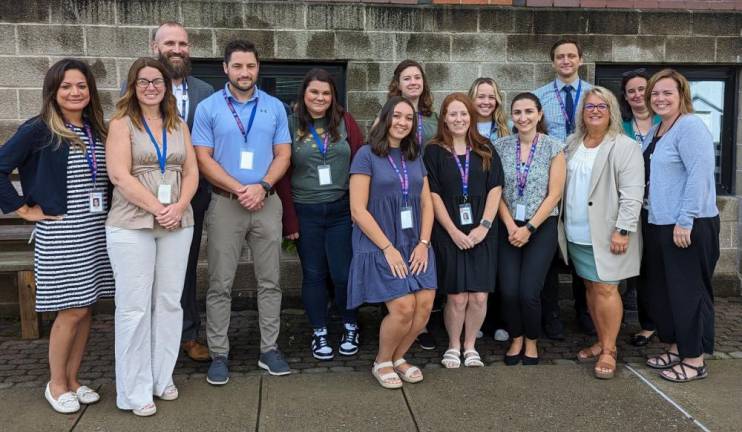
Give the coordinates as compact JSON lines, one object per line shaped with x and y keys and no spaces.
{"x":666,"y":360}
{"x":682,"y":376}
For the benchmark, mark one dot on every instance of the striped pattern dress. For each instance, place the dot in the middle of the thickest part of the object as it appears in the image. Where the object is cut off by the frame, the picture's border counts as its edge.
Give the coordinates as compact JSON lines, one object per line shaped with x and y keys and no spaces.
{"x":70,"y":257}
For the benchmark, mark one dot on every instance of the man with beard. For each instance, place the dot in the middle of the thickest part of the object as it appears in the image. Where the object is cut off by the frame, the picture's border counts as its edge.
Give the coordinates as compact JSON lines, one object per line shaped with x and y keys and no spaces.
{"x":243,"y":146}
{"x":170,"y":45}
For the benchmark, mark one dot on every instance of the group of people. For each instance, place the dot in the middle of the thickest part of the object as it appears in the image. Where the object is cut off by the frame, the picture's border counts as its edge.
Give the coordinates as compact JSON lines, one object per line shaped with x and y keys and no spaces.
{"x":462,"y":204}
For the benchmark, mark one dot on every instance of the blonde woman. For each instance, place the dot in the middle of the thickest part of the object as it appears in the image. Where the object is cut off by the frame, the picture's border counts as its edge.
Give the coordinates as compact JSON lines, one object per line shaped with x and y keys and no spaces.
{"x":491,"y":119}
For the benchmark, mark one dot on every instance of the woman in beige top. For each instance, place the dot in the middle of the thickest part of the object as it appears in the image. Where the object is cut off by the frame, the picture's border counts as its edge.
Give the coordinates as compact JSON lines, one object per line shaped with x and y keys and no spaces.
{"x":149,"y":232}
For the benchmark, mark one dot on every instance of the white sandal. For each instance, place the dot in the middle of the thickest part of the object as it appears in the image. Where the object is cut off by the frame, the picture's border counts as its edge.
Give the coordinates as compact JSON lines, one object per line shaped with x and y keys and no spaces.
{"x":412,"y":374}
{"x":451,"y":358}
{"x":472,"y":359}
{"x":86,"y":395}
{"x":389,"y":380}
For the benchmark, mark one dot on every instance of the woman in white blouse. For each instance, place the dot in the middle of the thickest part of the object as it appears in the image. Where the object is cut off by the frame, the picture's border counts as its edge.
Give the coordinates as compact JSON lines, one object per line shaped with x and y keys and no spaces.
{"x":599,"y":229}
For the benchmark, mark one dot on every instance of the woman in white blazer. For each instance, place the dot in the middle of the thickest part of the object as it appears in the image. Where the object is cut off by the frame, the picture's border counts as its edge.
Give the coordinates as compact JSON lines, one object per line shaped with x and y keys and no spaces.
{"x":599,"y":227}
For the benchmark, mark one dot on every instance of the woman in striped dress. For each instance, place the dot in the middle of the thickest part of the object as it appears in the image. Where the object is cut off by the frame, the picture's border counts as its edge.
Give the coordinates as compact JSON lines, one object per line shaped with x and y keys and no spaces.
{"x":61,"y":161}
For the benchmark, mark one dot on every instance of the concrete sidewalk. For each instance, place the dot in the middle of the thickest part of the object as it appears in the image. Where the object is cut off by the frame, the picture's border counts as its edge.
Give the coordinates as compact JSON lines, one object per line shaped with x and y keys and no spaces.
{"x":563,"y":397}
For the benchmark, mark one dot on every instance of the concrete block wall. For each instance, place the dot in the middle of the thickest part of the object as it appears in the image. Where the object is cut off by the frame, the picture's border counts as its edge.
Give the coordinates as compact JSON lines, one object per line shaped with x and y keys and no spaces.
{"x":455,"y":43}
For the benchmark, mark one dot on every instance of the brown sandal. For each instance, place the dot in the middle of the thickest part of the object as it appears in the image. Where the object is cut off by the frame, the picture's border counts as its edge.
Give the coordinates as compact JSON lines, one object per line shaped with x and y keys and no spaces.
{"x":589,"y":354}
{"x":603,"y":365}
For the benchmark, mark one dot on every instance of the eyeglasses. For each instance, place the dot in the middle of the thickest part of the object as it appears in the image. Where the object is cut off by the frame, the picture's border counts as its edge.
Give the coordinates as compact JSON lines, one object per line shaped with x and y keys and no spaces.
{"x":143,"y":83}
{"x":601,"y":107}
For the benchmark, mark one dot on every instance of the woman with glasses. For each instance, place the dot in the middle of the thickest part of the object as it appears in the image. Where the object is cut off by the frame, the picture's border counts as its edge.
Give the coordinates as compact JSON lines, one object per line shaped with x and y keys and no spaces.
{"x":637,"y":121}
{"x":598,"y":230}
{"x":149,"y":232}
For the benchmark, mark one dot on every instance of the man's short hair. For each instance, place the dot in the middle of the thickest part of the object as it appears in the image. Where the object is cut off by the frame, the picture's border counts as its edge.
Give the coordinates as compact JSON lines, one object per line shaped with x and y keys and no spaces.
{"x":167,"y":24}
{"x":241,"y":45}
{"x":565,"y":41}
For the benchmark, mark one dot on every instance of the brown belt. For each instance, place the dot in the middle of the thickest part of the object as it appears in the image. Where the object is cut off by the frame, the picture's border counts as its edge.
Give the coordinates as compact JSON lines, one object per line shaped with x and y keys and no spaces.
{"x":230,"y":195}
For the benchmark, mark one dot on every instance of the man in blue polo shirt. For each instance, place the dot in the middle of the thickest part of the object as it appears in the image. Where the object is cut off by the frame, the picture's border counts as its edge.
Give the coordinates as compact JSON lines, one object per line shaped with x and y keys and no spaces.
{"x":243,"y":146}
{"x":560,"y":99}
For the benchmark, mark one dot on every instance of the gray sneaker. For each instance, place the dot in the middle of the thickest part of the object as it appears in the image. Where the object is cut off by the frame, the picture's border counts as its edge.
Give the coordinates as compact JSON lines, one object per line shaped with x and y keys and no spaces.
{"x":273,"y":362}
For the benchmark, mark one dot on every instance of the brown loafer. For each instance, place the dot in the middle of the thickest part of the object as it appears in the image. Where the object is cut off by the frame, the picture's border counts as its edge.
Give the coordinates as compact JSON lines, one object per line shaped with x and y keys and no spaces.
{"x":196,"y":351}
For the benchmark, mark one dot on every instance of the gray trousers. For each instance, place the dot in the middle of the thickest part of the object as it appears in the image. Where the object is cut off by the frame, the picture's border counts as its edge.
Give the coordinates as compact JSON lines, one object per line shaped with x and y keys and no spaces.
{"x":227,"y":225}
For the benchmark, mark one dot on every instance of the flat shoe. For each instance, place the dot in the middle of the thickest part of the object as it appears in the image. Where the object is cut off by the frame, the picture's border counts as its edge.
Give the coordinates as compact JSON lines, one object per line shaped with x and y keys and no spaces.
{"x":472,"y":359}
{"x":389,"y":380}
{"x":681,"y":376}
{"x":412,"y":374}
{"x":170,"y":393}
{"x":86,"y":395}
{"x":145,"y":411}
{"x":665,"y":360}
{"x":66,"y":403}
{"x":638,"y":340}
{"x":451,"y":358}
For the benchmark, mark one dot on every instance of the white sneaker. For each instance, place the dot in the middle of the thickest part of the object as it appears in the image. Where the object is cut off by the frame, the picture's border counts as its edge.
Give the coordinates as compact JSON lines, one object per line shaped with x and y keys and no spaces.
{"x":145,"y":411}
{"x":86,"y":395}
{"x":66,"y":403}
{"x":170,"y":393}
{"x":501,"y":335}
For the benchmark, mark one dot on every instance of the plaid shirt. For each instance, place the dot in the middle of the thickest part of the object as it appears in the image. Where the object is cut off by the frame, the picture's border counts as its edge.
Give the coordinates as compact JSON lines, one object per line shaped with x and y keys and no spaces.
{"x":555,"y":122}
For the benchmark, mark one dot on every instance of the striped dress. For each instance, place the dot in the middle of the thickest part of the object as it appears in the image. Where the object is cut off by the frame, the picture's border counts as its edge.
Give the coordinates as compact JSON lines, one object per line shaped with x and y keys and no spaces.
{"x":70,"y":258}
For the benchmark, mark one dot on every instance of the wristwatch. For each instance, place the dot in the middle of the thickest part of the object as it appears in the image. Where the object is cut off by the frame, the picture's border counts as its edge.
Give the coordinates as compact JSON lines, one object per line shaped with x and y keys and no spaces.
{"x":531,"y":228}
{"x":486,"y":223}
{"x":266,"y":186}
{"x":622,"y":231}
{"x":425,"y":243}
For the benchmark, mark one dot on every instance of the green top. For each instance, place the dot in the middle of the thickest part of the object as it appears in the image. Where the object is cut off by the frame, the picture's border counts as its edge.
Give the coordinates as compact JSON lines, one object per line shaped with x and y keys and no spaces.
{"x":306,"y":158}
{"x":430,"y":127}
{"x":631,"y":132}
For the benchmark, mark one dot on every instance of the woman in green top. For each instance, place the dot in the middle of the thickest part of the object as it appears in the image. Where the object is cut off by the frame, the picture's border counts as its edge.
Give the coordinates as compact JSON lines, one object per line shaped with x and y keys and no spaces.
{"x":637,"y":120}
{"x":409,"y":82}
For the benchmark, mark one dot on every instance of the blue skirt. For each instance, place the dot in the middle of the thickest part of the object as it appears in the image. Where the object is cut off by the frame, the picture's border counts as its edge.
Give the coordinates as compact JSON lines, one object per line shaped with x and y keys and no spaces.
{"x":583,"y":260}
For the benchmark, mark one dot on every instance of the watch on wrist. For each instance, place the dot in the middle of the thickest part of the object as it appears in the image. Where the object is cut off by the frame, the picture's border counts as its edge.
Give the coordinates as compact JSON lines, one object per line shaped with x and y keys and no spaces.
{"x":486,"y":223}
{"x":266,"y":186}
{"x":531,"y":228}
{"x":622,"y":231}
{"x":425,"y":243}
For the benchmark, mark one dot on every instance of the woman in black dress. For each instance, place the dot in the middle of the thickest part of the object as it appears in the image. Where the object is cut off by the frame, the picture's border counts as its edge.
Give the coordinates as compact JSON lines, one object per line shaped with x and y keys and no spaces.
{"x":465,"y":176}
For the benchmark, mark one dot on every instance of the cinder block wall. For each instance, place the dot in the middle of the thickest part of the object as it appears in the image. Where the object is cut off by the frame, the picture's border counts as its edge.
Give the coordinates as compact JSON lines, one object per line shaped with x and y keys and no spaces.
{"x":455,"y":43}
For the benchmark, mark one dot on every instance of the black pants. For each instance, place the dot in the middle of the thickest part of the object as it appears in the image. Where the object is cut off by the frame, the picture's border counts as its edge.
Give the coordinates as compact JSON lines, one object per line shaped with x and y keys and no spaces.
{"x":191,"y":317}
{"x":550,"y":293}
{"x":521,"y":273}
{"x":639,"y":284}
{"x":680,"y":295}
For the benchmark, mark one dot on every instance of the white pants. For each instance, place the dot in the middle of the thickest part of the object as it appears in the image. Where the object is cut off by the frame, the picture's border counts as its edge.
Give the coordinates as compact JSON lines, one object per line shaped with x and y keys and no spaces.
{"x":149,"y":267}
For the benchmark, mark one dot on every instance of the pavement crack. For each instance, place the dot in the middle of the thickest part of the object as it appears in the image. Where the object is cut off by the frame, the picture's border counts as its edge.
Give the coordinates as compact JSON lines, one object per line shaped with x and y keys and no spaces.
{"x":409,"y":408}
{"x":260,"y":404}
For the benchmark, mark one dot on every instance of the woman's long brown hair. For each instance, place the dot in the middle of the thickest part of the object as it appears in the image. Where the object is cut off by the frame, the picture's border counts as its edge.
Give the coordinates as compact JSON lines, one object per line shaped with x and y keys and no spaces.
{"x":334,"y":114}
{"x":128,"y":105}
{"x":425,"y":104}
{"x":443,"y":137}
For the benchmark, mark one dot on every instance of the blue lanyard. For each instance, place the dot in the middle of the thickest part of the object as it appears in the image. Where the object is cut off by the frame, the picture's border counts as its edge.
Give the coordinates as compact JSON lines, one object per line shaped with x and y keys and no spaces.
{"x":184,"y":100}
{"x":420,"y":129}
{"x":567,"y":121}
{"x":521,"y":177}
{"x":322,"y":145}
{"x":90,"y":155}
{"x":464,"y":171}
{"x":161,"y":155}
{"x":403,"y":177}
{"x":244,"y":132}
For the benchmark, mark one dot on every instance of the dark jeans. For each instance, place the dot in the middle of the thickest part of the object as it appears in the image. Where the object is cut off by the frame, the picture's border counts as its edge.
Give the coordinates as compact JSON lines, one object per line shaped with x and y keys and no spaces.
{"x":639,"y":284}
{"x":325,"y":250}
{"x":550,"y":294}
{"x":521,"y":273}
{"x":191,"y":317}
{"x":681,"y":298}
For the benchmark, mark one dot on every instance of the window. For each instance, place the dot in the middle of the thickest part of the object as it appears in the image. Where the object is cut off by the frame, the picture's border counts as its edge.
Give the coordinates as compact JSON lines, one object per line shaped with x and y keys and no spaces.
{"x":281,"y":80}
{"x":713,"y":91}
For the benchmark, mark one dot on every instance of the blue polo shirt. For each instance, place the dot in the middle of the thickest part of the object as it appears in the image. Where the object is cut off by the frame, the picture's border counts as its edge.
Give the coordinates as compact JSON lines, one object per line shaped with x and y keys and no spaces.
{"x":215,"y":127}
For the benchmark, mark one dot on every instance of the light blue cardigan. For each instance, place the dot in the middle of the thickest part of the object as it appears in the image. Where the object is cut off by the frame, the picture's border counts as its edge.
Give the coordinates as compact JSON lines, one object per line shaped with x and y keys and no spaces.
{"x":681,"y":181}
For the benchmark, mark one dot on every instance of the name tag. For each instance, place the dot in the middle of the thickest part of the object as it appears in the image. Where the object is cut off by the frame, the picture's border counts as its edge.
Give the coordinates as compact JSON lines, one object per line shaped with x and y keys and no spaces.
{"x":405,"y":216}
{"x":324,"y":174}
{"x":95,"y":202}
{"x":164,"y":193}
{"x":520,"y":212}
{"x":246,"y":159}
{"x":465,"y":214}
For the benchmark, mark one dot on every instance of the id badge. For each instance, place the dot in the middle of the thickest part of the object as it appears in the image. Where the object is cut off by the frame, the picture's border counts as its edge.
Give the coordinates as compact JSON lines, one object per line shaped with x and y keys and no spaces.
{"x":325,"y":176}
{"x":246,"y":158}
{"x":465,"y":216}
{"x":164,"y":192}
{"x":406,"y":217}
{"x":520,"y":212}
{"x":95,"y":202}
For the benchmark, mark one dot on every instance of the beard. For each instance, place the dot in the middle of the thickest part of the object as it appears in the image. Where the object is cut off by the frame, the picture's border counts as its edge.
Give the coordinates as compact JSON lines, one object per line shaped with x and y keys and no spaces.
{"x":241,"y":87}
{"x":178,"y":70}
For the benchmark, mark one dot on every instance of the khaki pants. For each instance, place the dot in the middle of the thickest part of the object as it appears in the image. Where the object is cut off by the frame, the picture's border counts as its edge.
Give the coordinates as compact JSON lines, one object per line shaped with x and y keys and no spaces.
{"x":227,"y":225}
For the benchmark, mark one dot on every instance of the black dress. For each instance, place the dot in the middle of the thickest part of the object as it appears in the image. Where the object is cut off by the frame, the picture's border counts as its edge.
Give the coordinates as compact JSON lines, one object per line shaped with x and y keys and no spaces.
{"x":472,"y":270}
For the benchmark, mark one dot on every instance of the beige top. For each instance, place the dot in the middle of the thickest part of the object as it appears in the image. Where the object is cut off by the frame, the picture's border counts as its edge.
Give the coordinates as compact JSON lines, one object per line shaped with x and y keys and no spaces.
{"x":146,"y":169}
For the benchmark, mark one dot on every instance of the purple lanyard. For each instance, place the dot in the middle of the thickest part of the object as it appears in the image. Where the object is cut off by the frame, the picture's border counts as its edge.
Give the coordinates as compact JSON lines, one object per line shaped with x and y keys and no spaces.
{"x":521,"y":178}
{"x":90,"y":155}
{"x":403,"y":178}
{"x":420,"y":129}
{"x":322,"y":144}
{"x":464,"y":171}
{"x":244,"y":132}
{"x":567,"y":121}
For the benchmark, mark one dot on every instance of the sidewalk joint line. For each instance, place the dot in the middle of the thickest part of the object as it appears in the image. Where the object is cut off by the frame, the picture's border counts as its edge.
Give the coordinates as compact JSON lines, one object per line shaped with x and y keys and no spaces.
{"x":409,"y":408}
{"x":668,"y":399}
{"x":260,"y":403}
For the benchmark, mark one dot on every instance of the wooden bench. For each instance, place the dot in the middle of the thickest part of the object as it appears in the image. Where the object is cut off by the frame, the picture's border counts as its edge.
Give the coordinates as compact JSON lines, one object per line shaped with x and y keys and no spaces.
{"x":21,"y":263}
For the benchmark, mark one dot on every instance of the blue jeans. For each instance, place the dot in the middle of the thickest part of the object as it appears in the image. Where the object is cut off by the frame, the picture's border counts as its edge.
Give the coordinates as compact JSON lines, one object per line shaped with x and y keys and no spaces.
{"x":325,"y":249}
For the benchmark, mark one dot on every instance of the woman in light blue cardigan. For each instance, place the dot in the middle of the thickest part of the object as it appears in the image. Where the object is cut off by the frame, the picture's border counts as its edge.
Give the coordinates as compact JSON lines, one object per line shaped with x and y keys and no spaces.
{"x":682,"y":236}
